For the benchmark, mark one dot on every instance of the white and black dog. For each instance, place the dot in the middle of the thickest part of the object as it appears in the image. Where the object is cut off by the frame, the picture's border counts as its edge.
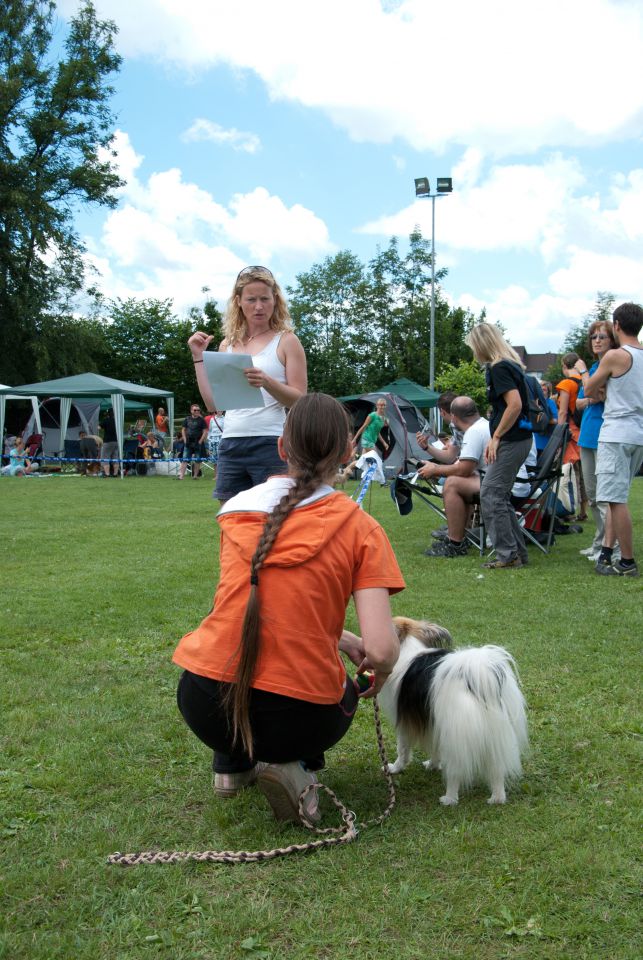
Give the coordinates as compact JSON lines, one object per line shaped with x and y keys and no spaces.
{"x":464,"y":707}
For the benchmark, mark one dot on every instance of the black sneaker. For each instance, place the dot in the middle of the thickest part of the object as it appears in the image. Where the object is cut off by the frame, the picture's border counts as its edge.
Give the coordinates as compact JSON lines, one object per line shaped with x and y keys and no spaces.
{"x":625,"y":570}
{"x":442,"y":533}
{"x":445,"y":548}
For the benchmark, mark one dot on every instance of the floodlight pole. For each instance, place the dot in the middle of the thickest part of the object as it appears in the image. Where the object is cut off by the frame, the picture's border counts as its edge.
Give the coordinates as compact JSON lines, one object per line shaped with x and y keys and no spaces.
{"x":423,"y":189}
{"x":432,"y":328}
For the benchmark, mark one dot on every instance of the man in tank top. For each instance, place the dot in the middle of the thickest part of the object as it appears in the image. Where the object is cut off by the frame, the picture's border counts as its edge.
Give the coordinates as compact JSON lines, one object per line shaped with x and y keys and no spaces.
{"x":620,"y":442}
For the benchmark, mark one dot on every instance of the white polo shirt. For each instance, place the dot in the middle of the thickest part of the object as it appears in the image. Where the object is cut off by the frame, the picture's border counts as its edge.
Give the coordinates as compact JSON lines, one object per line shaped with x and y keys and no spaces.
{"x":474,"y":443}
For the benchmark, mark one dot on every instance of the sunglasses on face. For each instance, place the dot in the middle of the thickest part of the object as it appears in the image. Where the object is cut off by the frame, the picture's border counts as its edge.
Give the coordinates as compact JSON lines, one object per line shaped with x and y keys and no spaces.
{"x":599,"y":336}
{"x":254,"y":269}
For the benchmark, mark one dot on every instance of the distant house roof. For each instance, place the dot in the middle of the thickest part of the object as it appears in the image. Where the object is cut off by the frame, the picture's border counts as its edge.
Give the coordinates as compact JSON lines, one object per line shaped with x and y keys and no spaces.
{"x":536,"y":362}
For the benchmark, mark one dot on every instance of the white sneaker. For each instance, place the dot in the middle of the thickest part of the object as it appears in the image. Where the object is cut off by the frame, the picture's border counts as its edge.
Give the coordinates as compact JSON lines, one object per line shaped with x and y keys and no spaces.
{"x":282,"y":785}
{"x":587,"y":552}
{"x":230,"y":784}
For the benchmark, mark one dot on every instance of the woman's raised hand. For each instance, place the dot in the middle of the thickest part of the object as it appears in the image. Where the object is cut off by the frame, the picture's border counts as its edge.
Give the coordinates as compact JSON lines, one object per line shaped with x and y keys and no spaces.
{"x":199,"y":342}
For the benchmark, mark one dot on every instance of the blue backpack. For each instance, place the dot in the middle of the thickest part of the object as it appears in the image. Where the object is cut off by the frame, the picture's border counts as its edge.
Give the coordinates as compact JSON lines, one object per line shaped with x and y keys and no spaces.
{"x":538,"y":408}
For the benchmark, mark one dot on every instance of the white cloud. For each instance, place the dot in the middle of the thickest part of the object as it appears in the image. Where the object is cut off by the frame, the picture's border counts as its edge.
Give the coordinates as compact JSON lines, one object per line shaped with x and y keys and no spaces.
{"x":265,"y":225}
{"x":508,"y":77}
{"x":203,"y":129}
{"x":578,"y":242}
{"x":589,"y":269}
{"x":515,"y":206}
{"x":169,"y":238}
{"x":541,"y":323}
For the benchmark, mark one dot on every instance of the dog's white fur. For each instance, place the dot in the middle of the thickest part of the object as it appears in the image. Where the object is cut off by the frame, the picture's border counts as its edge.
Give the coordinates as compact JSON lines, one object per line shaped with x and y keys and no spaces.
{"x":475,"y":727}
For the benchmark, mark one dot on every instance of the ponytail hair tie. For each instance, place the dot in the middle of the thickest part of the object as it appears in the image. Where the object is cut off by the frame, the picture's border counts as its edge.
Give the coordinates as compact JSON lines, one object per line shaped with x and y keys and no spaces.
{"x":254,"y":579}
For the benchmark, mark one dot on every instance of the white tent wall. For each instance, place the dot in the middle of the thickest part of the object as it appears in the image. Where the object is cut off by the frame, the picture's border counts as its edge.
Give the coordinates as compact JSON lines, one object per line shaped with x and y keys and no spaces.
{"x":4,"y":396}
{"x":54,"y":437}
{"x":118,"y":406}
{"x":91,"y":385}
{"x":88,"y":413}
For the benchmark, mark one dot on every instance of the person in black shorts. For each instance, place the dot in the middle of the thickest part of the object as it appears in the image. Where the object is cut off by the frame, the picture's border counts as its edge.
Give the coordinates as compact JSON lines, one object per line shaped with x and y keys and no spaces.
{"x":194,"y":432}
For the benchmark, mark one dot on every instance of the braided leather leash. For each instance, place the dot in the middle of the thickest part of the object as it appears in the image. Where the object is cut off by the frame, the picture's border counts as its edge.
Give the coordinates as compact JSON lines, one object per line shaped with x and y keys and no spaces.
{"x":332,"y":836}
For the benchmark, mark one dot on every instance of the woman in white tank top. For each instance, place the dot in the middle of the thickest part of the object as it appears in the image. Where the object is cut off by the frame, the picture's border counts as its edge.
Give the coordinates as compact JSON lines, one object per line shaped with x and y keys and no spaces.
{"x":257,"y":323}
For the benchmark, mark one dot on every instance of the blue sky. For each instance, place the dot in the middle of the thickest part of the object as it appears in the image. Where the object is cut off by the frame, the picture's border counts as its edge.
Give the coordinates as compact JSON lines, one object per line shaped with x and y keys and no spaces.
{"x":281,"y":132}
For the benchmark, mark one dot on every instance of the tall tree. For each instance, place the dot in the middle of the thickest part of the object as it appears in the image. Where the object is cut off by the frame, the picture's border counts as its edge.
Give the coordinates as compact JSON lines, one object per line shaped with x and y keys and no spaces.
{"x":465,"y":379}
{"x":67,"y":345}
{"x":576,"y":339}
{"x":364,"y":325}
{"x":403,"y":301}
{"x":327,"y":305}
{"x":54,"y":119}
{"x":147,"y":344}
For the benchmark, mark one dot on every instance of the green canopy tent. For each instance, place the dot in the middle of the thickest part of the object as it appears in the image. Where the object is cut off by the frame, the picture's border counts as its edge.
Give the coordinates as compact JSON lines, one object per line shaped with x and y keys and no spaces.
{"x":93,"y":385}
{"x":405,"y":419}
{"x":420,"y":397}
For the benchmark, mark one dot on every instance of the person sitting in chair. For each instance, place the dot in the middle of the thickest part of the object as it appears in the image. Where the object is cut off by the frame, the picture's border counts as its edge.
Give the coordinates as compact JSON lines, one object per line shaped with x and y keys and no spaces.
{"x":448,"y":450}
{"x":19,"y":465}
{"x":462,"y":484}
{"x":152,"y":449}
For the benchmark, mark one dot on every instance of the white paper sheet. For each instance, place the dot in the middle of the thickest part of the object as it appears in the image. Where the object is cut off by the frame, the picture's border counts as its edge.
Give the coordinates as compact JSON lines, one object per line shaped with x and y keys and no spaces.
{"x":230,"y":388}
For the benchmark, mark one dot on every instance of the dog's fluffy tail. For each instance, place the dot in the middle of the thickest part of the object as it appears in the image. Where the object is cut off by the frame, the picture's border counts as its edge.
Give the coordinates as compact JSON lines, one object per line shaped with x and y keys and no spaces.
{"x":478,"y":711}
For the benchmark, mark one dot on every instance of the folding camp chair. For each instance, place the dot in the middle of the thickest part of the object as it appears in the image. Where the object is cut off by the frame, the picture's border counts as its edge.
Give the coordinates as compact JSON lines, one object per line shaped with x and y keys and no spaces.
{"x":71,"y":457}
{"x":537,"y":514}
{"x":406,"y":486}
{"x":131,"y":456}
{"x":33,"y":446}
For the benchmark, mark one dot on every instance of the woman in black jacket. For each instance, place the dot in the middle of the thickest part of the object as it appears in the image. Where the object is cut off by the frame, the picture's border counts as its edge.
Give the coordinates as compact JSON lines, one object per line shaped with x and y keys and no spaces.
{"x":510,"y":442}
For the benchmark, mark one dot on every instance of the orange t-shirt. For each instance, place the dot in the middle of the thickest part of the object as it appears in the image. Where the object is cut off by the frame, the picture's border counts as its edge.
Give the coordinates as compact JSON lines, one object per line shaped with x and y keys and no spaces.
{"x":571,"y":387}
{"x":325,"y":551}
{"x":161,"y":423}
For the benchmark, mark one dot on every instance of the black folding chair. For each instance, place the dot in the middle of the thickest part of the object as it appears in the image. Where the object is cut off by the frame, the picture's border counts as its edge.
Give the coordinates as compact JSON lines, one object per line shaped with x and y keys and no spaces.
{"x":537,"y":513}
{"x":131,"y":454}
{"x":71,"y":457}
{"x":428,"y":491}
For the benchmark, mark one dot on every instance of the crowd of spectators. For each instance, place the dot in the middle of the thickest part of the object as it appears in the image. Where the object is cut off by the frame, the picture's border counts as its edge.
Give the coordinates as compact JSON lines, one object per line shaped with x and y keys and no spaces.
{"x":485,"y":460}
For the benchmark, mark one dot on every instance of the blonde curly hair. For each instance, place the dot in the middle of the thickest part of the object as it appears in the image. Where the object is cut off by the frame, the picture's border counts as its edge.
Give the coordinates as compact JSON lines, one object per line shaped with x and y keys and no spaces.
{"x":235,"y":327}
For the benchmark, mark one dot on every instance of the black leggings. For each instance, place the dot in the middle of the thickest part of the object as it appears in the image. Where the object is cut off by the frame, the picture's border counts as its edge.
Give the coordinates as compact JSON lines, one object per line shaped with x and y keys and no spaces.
{"x":283,"y":728}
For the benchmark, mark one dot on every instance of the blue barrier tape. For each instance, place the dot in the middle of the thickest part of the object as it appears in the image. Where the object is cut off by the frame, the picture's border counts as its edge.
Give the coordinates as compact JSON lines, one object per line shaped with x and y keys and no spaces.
{"x":116,"y":460}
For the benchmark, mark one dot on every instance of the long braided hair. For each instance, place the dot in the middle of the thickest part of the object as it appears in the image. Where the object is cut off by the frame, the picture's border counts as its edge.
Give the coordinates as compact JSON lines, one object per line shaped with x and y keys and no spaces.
{"x":315,"y":438}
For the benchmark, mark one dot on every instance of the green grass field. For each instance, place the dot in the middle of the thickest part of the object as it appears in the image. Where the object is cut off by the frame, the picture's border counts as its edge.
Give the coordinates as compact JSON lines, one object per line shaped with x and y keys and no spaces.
{"x":100,"y":578}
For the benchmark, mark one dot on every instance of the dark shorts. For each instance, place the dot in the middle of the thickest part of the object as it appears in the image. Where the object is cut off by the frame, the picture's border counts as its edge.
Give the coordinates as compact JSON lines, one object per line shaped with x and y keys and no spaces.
{"x":244,"y":462}
{"x":193,"y":450}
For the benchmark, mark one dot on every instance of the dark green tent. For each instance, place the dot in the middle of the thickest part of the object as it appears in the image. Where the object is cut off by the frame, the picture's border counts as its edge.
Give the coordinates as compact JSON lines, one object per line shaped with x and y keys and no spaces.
{"x":420,"y":397}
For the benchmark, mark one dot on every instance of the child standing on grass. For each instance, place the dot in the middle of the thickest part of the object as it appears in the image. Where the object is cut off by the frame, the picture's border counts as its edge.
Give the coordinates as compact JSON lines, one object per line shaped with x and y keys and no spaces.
{"x":264,"y":685}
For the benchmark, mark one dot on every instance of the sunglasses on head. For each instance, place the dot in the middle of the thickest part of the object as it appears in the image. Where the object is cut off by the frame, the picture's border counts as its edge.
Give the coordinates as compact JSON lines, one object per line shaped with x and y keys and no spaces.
{"x":254,"y":269}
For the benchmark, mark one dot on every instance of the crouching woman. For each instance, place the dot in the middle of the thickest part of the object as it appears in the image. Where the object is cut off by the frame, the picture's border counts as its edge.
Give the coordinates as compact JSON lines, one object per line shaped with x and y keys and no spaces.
{"x":264,"y":685}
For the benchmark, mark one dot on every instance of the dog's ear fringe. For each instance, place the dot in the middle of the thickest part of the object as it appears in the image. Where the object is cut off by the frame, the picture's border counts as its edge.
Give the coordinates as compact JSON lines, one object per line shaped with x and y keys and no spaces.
{"x":430,"y":634}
